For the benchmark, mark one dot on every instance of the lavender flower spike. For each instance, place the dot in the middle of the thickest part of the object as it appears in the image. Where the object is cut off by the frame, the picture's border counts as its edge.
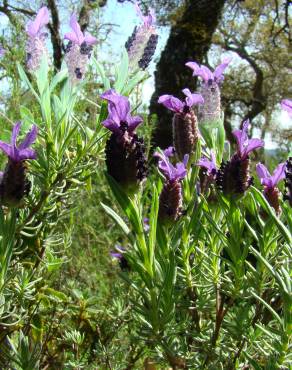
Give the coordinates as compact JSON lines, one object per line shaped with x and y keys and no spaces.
{"x":78,"y":50}
{"x":211,"y":110}
{"x":184,"y":123}
{"x":13,"y":183}
{"x":36,"y":44}
{"x":22,"y":152}
{"x":270,"y":182}
{"x":170,"y":199}
{"x":244,"y":144}
{"x":141,"y":45}
{"x":125,"y":151}
{"x":286,"y":105}
{"x":233,"y":177}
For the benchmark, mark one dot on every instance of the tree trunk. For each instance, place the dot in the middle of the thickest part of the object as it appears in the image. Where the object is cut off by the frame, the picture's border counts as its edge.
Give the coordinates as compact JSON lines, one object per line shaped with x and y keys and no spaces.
{"x":189,"y":40}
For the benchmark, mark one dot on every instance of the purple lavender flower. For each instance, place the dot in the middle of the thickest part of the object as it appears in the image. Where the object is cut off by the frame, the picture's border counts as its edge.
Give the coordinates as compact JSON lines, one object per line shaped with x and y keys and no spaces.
{"x":118,"y":254}
{"x":244,"y":144}
{"x":22,"y":152}
{"x":170,"y":199}
{"x":233,"y":177}
{"x":125,"y":151}
{"x":78,"y":50}
{"x":270,"y":183}
{"x":175,"y":105}
{"x":36,"y":44}
{"x":13,"y":182}
{"x":207,"y":164}
{"x":211,"y":110}
{"x":141,"y":45}
{"x":119,"y":119}
{"x":184,"y":123}
{"x":208,"y":171}
{"x":286,"y":105}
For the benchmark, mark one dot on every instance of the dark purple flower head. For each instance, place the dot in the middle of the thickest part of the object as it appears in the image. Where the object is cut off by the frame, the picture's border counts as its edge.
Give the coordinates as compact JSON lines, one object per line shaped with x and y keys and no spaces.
{"x":171,"y":172}
{"x":268,"y":180}
{"x":76,"y":36}
{"x":119,"y":118}
{"x":175,"y":105}
{"x":22,"y":152}
{"x":206,"y":74}
{"x":209,"y":165}
{"x":149,"y":19}
{"x":286,"y":105}
{"x":244,"y":144}
{"x":33,"y":28}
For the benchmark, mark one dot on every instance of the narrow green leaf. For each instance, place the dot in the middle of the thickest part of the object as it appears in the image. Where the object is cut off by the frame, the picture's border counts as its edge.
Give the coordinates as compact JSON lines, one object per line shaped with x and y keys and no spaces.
{"x":117,"y":218}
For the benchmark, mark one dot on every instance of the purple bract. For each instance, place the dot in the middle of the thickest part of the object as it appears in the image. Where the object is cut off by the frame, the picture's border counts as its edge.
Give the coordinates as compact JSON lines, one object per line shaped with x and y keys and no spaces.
{"x":22,"y":152}
{"x":206,"y":74}
{"x":209,"y":165}
{"x":119,"y":118}
{"x":76,"y":36}
{"x":171,"y":172}
{"x":175,"y":105}
{"x":34,"y":28}
{"x":268,"y":180}
{"x":244,"y":144}
{"x":148,"y":20}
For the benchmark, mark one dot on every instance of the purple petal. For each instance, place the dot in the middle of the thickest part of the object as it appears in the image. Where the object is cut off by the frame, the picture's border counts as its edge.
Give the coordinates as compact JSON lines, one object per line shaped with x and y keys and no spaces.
{"x":169,"y":152}
{"x":42,"y":19}
{"x":221,"y":68}
{"x":116,"y":255}
{"x":241,"y":137}
{"x":206,"y":74}
{"x":26,"y":154}
{"x":192,"y":99}
{"x":172,"y":103}
{"x":262,"y":171}
{"x":180,"y":172}
{"x":111,"y":125}
{"x":119,"y":106}
{"x":76,"y":36}
{"x":279,"y":173}
{"x":186,"y":159}
{"x":149,"y":19}
{"x":29,"y":139}
{"x":133,"y":122}
{"x":6,"y":148}
{"x":253,"y":144}
{"x":286,"y":105}
{"x":201,"y":71}
{"x":164,"y":165}
{"x":89,"y":39}
{"x":15,"y":132}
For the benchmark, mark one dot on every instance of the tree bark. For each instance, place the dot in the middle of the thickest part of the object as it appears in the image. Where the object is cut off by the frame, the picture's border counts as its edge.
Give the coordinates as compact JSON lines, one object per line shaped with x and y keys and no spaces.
{"x":189,"y":40}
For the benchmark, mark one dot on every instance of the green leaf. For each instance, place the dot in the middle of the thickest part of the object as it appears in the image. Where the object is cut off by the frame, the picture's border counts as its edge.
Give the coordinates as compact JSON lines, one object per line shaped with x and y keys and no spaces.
{"x":122,"y":72}
{"x":117,"y":218}
{"x":153,"y":223}
{"x":25,"y":79}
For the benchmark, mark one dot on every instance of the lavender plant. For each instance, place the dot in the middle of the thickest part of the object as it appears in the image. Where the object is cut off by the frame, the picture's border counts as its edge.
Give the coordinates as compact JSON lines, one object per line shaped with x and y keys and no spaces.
{"x":204,"y":252}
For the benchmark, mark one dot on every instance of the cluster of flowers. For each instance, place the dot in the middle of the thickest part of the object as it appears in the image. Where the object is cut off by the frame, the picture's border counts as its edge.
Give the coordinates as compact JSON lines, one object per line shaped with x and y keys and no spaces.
{"x":126,"y":161}
{"x":140,"y":46}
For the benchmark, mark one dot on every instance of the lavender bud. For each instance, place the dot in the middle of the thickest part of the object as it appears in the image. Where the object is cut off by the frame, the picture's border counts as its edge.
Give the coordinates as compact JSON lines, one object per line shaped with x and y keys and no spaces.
{"x":185,"y":133}
{"x":125,"y":160}
{"x":272,"y":196}
{"x":35,"y":50}
{"x":233,"y":177}
{"x":170,"y":201}
{"x":288,"y":181}
{"x":14,"y":184}
{"x":76,"y":59}
{"x":148,"y":52}
{"x":211,"y":109}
